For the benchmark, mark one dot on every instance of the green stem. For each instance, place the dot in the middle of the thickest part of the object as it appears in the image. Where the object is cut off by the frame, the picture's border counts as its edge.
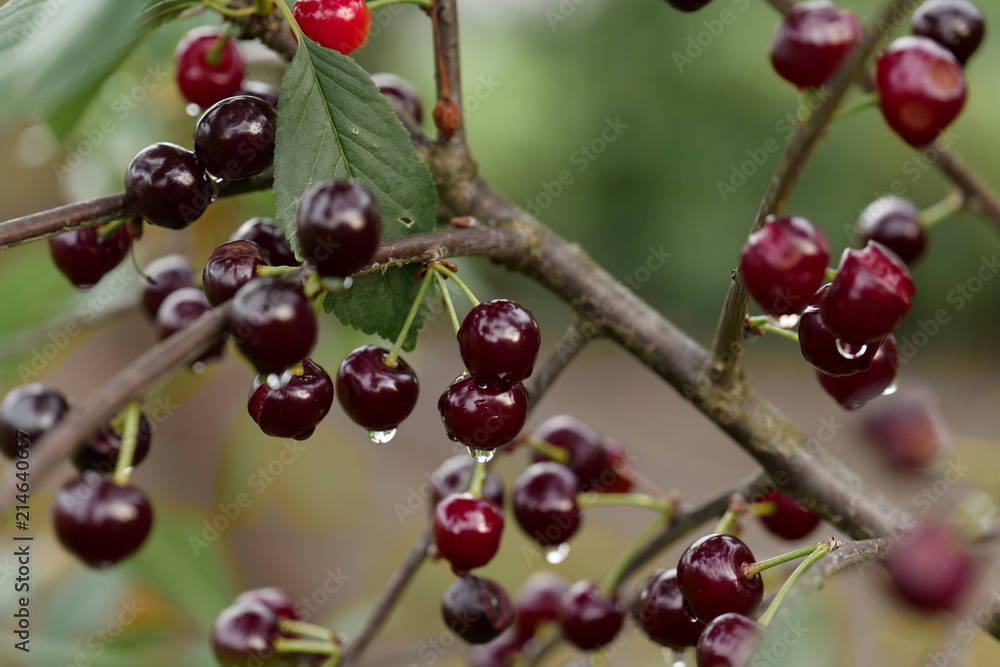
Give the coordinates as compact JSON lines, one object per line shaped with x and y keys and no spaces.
{"x":478,"y":479}
{"x":818,"y":552}
{"x":286,"y":14}
{"x":623,"y":500}
{"x":105,"y":232}
{"x":390,"y":359}
{"x":761,"y":324}
{"x":214,"y":56}
{"x":851,"y":108}
{"x":265,"y":270}
{"x":375,"y":4}
{"x":830,"y":274}
{"x":286,"y":645}
{"x":130,"y":435}
{"x":617,"y":573}
{"x":550,"y":451}
{"x":314,"y":285}
{"x":446,"y":297}
{"x":766,"y":508}
{"x":444,"y":270}
{"x":947,"y":207}
{"x":728,"y":522}
{"x":751,"y":570}
{"x":304,"y":629}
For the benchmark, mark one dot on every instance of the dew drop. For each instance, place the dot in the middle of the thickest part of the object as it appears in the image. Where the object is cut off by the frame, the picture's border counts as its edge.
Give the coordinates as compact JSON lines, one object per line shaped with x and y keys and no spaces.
{"x":348,"y":281}
{"x":273,"y":380}
{"x":193,"y":110}
{"x":381,"y":437}
{"x":480,"y":455}
{"x":783,"y":321}
{"x":890,"y":390}
{"x":198,"y":367}
{"x":556,"y":554}
{"x":850,"y":350}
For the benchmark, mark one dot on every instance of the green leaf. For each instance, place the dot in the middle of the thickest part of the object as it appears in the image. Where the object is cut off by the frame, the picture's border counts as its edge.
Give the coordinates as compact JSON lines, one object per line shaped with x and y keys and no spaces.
{"x":333,"y":123}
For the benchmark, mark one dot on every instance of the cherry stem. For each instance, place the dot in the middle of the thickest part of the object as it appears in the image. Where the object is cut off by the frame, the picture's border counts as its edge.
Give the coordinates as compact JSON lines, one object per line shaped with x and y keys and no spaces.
{"x":105,"y":232}
{"x":548,"y":450}
{"x":214,"y":56}
{"x":851,"y":108}
{"x":624,"y":500}
{"x":314,"y":285}
{"x":766,"y":508}
{"x":818,"y":551}
{"x":478,"y":479}
{"x":131,"y":416}
{"x":375,"y":4}
{"x":751,"y":570}
{"x":641,"y":481}
{"x":830,"y":274}
{"x":264,"y":270}
{"x":286,"y":14}
{"x":614,"y":577}
{"x":293,"y":627}
{"x":952,"y":203}
{"x":446,"y":297}
{"x":727,"y":524}
{"x":448,"y":273}
{"x":761,"y":324}
{"x":390,"y":359}
{"x":328,"y":647}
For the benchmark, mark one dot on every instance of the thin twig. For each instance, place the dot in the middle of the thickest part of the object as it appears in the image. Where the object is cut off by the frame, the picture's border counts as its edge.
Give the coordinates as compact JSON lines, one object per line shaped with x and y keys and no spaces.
{"x":574,"y":339}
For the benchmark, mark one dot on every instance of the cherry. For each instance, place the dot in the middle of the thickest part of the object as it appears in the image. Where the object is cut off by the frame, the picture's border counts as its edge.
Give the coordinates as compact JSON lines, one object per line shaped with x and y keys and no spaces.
{"x":271,"y":597}
{"x":341,"y":25}
{"x":659,"y":611}
{"x":616,"y":461}
{"x":499,"y":343}
{"x":956,"y":25}
{"x":853,"y":391}
{"x":244,"y":633}
{"x":467,"y":531}
{"x":32,"y":409}
{"x":178,"y":310}
{"x":454,"y":476}
{"x":338,"y":226}
{"x":820,"y":348}
{"x":477,"y":610}
{"x":790,"y":520}
{"x":273,"y":324}
{"x":260,"y":90}
{"x":100,"y":522}
{"x":234,"y":138}
{"x":538,"y":602}
{"x":499,"y":652}
{"x":922,"y":88}
{"x":203,"y":82}
{"x":908,"y":433}
{"x":711,"y":578}
{"x":482,"y":418}
{"x":587,"y":618}
{"x":870,"y":296}
{"x":731,"y":640}
{"x":812,"y":42}
{"x":164,"y":275}
{"x":545,"y":503}
{"x":269,"y":236}
{"x":783,"y":264}
{"x":84,"y":257}
{"x":294,"y":407}
{"x":688,"y":5}
{"x":374,"y":394}
{"x":402,"y":93}
{"x":100,"y":453}
{"x":168,"y":186}
{"x":230,"y":266}
{"x":931,"y":568}
{"x":895,"y":223}
{"x":587,"y":456}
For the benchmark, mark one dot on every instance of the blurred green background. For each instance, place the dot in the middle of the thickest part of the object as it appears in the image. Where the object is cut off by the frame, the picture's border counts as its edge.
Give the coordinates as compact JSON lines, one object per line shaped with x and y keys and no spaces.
{"x":588,"y":92}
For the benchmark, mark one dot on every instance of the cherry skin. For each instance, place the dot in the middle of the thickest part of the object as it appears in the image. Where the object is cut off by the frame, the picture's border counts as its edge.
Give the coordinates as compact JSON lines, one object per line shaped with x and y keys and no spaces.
{"x":200,"y":81}
{"x":783,"y":264}
{"x":711,"y":578}
{"x":854,"y":391}
{"x":168,"y":186}
{"x":587,"y":456}
{"x":956,"y":25}
{"x":374,"y":394}
{"x":244,"y":633}
{"x":454,"y":476}
{"x":178,"y":310}
{"x":271,"y":597}
{"x":790,"y":520}
{"x":870,"y":296}
{"x":895,"y":223}
{"x":812,"y":42}
{"x":234,"y":138}
{"x":538,"y":602}
{"x":100,"y":522}
{"x":922,"y":88}
{"x":84,"y":257}
{"x":931,"y":568}
{"x":587,"y":618}
{"x":499,"y":342}
{"x":100,"y":453}
{"x":819,"y":345}
{"x":731,"y":640}
{"x":614,"y":479}
{"x":544,"y":500}
{"x":467,"y":531}
{"x":230,"y":266}
{"x":341,"y":25}
{"x":295,"y":406}
{"x":402,"y":93}
{"x":273,"y":324}
{"x":477,"y":610}
{"x":908,"y":433}
{"x":659,"y":611}
{"x":164,"y":275}
{"x":32,"y":409}
{"x":268,"y":235}
{"x":482,"y":418}
{"x":339,"y":227}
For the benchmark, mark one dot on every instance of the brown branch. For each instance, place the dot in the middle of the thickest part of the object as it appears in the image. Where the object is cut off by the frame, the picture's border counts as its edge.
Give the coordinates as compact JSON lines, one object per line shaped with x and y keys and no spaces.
{"x":978,"y":195}
{"x":271,"y":30}
{"x":444,"y":20}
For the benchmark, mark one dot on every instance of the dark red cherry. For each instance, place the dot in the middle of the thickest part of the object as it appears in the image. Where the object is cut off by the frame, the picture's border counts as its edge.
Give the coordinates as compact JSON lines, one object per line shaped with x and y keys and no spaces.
{"x":467,"y":531}
{"x":538,"y":602}
{"x":895,"y":223}
{"x":100,"y":453}
{"x":853,"y":391}
{"x":402,"y":93}
{"x":372,"y":393}
{"x":482,"y":418}
{"x":783,"y":264}
{"x":587,"y":456}
{"x":296,"y":405}
{"x":711,"y":578}
{"x":790,"y":520}
{"x":477,"y":610}
{"x":957,"y":25}
{"x":339,"y":227}
{"x":230,"y":266}
{"x":731,"y":640}
{"x":454,"y":476}
{"x":268,"y":235}
{"x":32,"y":409}
{"x":168,"y":186}
{"x":260,"y":90}
{"x":84,"y":256}
{"x":812,"y":42}
{"x":659,"y":611}
{"x":931,"y":568}
{"x":870,"y":296}
{"x":203,"y":81}
{"x":272,"y":597}
{"x":688,"y":5}
{"x":909,"y":433}
{"x":544,"y":500}
{"x":273,"y":324}
{"x":499,"y":342}
{"x":820,"y":347}
{"x":244,"y":633}
{"x":164,"y":275}
{"x":615,"y":479}
{"x":234,"y":138}
{"x":181,"y":308}
{"x":588,"y":619}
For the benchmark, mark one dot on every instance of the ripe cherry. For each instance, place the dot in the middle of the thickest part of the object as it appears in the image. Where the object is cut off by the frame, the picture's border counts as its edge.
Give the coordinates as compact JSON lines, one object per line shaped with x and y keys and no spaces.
{"x":339,"y":227}
{"x":895,"y":223}
{"x":168,"y":186}
{"x":372,"y":393}
{"x":812,"y":42}
{"x":711,"y":578}
{"x":587,"y":456}
{"x":908,"y":433}
{"x":660,"y":611}
{"x":272,"y":597}
{"x":230,"y":266}
{"x":268,"y":235}
{"x":273,"y":324}
{"x":467,"y":531}
{"x":100,"y":453}
{"x":84,"y":256}
{"x":234,"y":138}
{"x":477,"y":610}
{"x":538,"y":602}
{"x":402,"y":93}
{"x":294,"y":407}
{"x":201,"y":80}
{"x":499,"y":342}
{"x":454,"y":476}
{"x":244,"y":633}
{"x":341,"y":25}
{"x":821,"y":348}
{"x":853,"y":391}
{"x":545,"y":505}
{"x":482,"y":419}
{"x":931,"y":568}
{"x":614,"y":479}
{"x":178,"y":310}
{"x":731,"y":640}
{"x":790,"y":520}
{"x":956,"y":25}
{"x":164,"y":275}
{"x":33,"y":409}
{"x":588,"y":619}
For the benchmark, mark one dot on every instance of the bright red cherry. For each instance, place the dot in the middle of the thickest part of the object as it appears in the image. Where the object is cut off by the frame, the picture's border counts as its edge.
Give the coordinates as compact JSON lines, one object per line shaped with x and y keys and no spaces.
{"x":710,"y":575}
{"x":931,"y":568}
{"x":659,"y":611}
{"x":467,"y":531}
{"x":853,"y":391}
{"x":341,"y":25}
{"x":812,"y":42}
{"x":790,"y":520}
{"x":201,"y":80}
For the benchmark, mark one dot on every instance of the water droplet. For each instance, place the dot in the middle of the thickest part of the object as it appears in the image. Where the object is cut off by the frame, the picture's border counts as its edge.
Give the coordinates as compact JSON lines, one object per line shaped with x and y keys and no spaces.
{"x":193,"y":110}
{"x":850,"y":350}
{"x":556,"y":554}
{"x":381,"y":437}
{"x":348,"y":281}
{"x":783,"y":321}
{"x":480,"y":455}
{"x":890,"y":390}
{"x":198,"y":367}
